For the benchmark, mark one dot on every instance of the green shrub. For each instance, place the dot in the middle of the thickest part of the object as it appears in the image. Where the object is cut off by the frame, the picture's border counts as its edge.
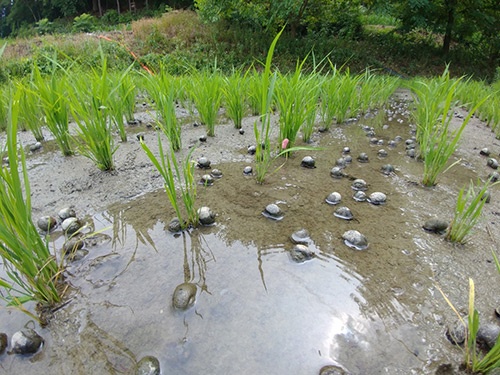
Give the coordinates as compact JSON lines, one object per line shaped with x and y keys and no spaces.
{"x":84,"y":23}
{"x":44,"y":26}
{"x":111,"y":17}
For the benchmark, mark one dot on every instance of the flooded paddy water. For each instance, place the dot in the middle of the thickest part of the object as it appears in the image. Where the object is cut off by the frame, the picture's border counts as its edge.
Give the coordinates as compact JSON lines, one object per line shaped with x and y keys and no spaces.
{"x":257,"y":311}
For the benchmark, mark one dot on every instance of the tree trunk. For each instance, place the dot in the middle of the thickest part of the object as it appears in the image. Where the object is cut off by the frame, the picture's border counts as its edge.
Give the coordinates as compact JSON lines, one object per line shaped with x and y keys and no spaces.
{"x":118,"y":6}
{"x":450,"y":21}
{"x":296,"y":21}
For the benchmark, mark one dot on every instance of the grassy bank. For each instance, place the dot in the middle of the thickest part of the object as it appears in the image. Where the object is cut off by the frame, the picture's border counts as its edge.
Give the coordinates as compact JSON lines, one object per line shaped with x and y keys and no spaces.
{"x":178,"y":40}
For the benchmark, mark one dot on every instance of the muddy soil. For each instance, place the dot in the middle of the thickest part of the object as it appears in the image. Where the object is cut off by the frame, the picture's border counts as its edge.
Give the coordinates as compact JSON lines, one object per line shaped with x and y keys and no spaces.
{"x":371,"y":312}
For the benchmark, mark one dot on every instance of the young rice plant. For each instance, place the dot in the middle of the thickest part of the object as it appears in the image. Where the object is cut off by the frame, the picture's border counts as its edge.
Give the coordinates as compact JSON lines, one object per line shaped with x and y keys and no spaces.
{"x":33,"y":272}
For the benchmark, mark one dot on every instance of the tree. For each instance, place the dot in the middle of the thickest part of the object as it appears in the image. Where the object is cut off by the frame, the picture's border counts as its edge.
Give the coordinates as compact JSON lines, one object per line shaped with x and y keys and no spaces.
{"x":299,"y":15}
{"x":462,"y":21}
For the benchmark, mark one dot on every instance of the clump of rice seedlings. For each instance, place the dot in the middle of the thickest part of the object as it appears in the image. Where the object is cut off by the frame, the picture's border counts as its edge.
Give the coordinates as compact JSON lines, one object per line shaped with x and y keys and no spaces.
{"x":54,"y":105}
{"x":374,"y":90}
{"x":30,"y":113}
{"x":345,"y":96}
{"x":5,"y":94}
{"x":206,"y":94}
{"x":90,"y":109}
{"x":33,"y":272}
{"x":162,"y":89}
{"x":434,"y":112}
{"x":326,"y":108}
{"x":254,"y":95}
{"x":311,"y":108}
{"x":467,"y":213}
{"x":234,"y":92}
{"x":175,"y":174}
{"x":293,"y":92}
{"x":474,"y":361}
{"x":121,"y":100}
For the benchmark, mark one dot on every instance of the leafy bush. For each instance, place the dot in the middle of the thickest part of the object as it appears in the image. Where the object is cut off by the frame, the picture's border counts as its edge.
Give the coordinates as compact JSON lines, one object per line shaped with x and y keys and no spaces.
{"x":111,"y":17}
{"x":44,"y":26}
{"x":84,"y":23}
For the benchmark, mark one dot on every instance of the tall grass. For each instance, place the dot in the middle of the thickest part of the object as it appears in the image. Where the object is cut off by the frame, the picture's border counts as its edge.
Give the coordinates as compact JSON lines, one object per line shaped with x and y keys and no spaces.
{"x":234,"y":90}
{"x":90,"y":109}
{"x":54,"y":105}
{"x":206,"y":94}
{"x":162,"y":89}
{"x":177,"y":175}
{"x":434,"y":111}
{"x":467,"y":212}
{"x":33,"y":272}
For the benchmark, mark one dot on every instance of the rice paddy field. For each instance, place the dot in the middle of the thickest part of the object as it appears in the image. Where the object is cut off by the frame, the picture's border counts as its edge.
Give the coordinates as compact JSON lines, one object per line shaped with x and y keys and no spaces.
{"x":258,"y":308}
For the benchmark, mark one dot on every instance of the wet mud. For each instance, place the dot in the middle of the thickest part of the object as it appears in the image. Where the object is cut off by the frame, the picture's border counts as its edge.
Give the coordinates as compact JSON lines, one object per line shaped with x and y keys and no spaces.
{"x":374,"y":311}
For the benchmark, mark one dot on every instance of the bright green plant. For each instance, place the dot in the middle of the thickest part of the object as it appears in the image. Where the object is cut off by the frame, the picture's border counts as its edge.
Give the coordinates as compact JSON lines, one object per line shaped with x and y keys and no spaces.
{"x":326,"y":108}
{"x":90,"y":109}
{"x":474,"y":361}
{"x":172,"y":173}
{"x":435,"y":102}
{"x":267,"y":85}
{"x":121,"y":100}
{"x":162,"y":88}
{"x":234,"y":90}
{"x":311,"y":107}
{"x":54,"y":105}
{"x":4,"y":100}
{"x":467,"y":212}
{"x":374,"y":90}
{"x":33,"y":272}
{"x":84,"y":23}
{"x":206,"y":94}
{"x":30,"y":113}
{"x":254,"y":95}
{"x":292,"y":95}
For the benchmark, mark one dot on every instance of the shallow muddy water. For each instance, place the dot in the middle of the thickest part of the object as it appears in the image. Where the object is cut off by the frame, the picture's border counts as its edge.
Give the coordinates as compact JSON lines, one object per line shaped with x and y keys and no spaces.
{"x":376,"y":311}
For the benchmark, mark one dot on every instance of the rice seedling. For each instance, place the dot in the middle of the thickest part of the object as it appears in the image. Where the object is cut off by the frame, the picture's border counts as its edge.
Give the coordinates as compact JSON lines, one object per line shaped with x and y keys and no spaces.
{"x":435,"y":102}
{"x":4,"y":100}
{"x":172,"y":172}
{"x":467,"y":213}
{"x":162,"y":89}
{"x":266,"y":93}
{"x":374,"y":91}
{"x":327,"y":99}
{"x":121,"y":100}
{"x":292,"y":96}
{"x":33,"y":272}
{"x":206,"y":94}
{"x":254,"y":96}
{"x":234,"y":91}
{"x":474,"y":361}
{"x":345,"y":96}
{"x":311,"y":108}
{"x":30,"y":114}
{"x":90,"y":109}
{"x":54,"y":105}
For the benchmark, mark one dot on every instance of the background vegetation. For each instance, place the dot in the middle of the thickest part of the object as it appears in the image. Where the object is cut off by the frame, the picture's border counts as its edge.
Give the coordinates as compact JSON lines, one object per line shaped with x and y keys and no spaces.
{"x":406,"y":38}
